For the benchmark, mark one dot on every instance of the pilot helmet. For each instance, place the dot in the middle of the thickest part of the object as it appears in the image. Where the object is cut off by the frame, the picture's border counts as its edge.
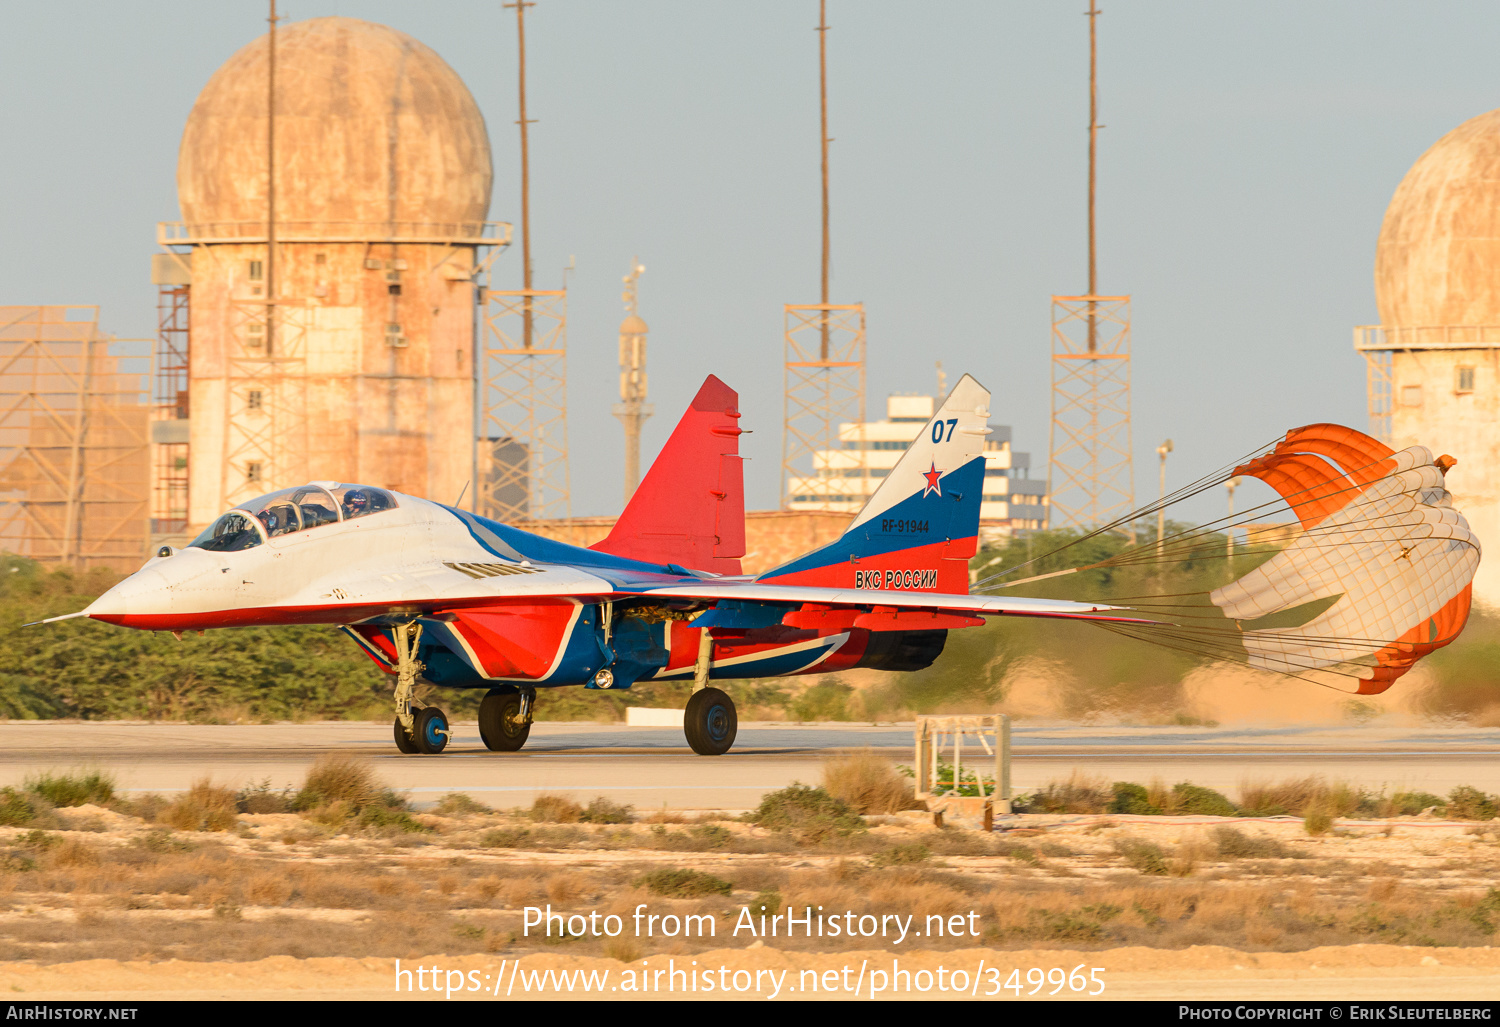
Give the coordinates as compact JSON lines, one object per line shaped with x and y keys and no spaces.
{"x":356,"y":500}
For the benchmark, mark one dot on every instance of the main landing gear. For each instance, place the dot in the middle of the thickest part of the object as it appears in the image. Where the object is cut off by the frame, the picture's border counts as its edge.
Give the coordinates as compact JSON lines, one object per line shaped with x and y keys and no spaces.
{"x":419,"y":728}
{"x":710,"y":721}
{"x":505,"y":718}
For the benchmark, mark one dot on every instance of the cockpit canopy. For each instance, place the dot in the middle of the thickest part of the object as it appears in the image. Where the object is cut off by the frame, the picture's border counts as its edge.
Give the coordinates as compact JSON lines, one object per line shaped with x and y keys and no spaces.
{"x":298,"y":509}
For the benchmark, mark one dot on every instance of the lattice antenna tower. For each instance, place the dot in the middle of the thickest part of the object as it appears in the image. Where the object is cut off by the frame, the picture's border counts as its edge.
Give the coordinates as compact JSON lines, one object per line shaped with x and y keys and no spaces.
{"x":1091,"y":477}
{"x":523,"y":375}
{"x":824,"y":372}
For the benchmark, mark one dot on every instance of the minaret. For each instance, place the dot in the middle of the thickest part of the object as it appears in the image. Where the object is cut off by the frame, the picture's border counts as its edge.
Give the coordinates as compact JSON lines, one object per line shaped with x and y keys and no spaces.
{"x":632,"y":410}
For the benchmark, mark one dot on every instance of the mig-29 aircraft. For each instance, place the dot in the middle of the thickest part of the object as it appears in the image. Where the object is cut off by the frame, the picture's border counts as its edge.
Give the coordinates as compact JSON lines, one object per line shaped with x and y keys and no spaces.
{"x":439,"y":594}
{"x":1373,"y":574}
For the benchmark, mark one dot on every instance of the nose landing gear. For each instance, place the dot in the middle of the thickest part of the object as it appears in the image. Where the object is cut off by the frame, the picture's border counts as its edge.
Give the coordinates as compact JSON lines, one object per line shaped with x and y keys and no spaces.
{"x":419,"y":728}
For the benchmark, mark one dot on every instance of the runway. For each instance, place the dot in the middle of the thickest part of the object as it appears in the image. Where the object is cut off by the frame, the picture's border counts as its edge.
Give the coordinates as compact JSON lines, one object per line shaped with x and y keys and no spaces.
{"x":652,"y":767}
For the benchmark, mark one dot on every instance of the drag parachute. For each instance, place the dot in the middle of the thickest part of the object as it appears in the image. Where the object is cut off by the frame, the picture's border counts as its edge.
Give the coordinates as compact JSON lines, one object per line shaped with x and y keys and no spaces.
{"x":1379,"y":537}
{"x":1373,"y":574}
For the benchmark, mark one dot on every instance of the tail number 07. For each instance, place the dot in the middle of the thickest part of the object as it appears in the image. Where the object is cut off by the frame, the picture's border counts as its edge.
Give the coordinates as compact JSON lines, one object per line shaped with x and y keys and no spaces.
{"x":938,"y":435}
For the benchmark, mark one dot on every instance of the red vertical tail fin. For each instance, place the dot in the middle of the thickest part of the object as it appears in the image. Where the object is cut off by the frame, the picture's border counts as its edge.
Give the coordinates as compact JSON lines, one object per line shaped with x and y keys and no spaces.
{"x":690,"y":507}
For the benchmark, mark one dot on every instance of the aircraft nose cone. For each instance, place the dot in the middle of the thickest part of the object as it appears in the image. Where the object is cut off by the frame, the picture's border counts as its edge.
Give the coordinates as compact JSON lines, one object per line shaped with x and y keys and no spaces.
{"x":144,"y":592}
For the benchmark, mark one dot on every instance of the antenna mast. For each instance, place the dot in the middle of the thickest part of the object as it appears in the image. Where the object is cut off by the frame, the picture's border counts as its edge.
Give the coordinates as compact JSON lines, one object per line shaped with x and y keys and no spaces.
{"x":523,"y":375}
{"x":271,"y":184}
{"x":526,"y":314}
{"x":1090,"y":473}
{"x":825,"y":383}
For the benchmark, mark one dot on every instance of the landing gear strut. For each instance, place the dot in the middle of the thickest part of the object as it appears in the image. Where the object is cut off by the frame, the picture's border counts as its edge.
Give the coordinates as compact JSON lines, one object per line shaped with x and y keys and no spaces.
{"x":505,"y":718}
{"x":419,"y":727}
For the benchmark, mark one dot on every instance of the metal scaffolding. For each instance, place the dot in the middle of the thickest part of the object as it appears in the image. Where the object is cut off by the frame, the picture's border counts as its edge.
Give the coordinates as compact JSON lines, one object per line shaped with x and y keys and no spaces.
{"x":169,"y":413}
{"x":265,"y":402}
{"x":825,"y":387}
{"x":1091,"y":477}
{"x":74,"y":453}
{"x":522,"y":459}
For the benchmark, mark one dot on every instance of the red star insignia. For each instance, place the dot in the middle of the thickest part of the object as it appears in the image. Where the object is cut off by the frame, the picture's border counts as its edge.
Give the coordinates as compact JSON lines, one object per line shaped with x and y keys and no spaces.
{"x":932,"y":477}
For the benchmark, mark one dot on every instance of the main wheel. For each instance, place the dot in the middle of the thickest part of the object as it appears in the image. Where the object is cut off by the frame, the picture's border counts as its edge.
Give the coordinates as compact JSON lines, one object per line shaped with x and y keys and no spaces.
{"x":404,"y":741}
{"x":500,"y":722}
{"x":432,"y":730}
{"x":710,"y":722}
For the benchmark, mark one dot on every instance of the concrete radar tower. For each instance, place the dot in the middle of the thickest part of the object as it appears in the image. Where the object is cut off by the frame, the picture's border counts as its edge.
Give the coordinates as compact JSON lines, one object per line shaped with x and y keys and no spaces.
{"x":1433,"y":363}
{"x":334,"y":186}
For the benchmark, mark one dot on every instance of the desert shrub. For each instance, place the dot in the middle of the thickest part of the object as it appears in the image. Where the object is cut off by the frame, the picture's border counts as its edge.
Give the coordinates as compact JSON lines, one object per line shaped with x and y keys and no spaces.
{"x":15,"y":808}
{"x":711,"y":836}
{"x":1078,"y":794}
{"x":683,"y":884}
{"x":770,"y":901}
{"x":1468,"y":803}
{"x":868,"y":783}
{"x":1195,"y":800}
{"x":161,"y":840}
{"x":504,"y":837}
{"x":145,"y":807}
{"x":901,"y":855}
{"x":1143,"y":856}
{"x":1022,"y":854}
{"x":1410,"y":804}
{"x":810,"y":814}
{"x":341,"y":777}
{"x":457,"y":804}
{"x":1131,"y":798}
{"x":261,"y":799}
{"x":39,"y":840}
{"x":204,"y":807}
{"x":556,"y":809}
{"x":1316,"y":822}
{"x":829,"y":699}
{"x":72,"y":789}
{"x":1298,"y":795}
{"x":602,"y":811}
{"x":382,"y":818}
{"x":1234,"y":844}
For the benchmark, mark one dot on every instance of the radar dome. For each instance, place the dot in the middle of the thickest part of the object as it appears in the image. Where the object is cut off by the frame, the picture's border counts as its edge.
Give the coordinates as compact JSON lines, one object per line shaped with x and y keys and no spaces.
{"x":371,"y":127}
{"x":1438,"y":258}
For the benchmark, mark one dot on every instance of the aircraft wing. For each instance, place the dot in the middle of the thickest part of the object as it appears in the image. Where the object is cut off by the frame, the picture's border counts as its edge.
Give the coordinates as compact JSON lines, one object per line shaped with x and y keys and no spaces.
{"x":834,"y":598}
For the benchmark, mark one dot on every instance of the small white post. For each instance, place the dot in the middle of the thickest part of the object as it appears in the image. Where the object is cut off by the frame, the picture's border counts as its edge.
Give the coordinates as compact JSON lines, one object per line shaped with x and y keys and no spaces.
{"x":958,"y":734}
{"x":1002,"y":765}
{"x":919,"y":740}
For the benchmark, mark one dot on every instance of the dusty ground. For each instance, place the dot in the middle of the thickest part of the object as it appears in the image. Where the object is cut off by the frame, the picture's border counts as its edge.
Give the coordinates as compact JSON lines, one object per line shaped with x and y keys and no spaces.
{"x":97,"y":902}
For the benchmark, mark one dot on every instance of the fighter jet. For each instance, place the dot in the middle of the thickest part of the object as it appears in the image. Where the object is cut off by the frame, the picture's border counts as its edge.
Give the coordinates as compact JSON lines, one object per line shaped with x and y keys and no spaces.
{"x":440,"y":595}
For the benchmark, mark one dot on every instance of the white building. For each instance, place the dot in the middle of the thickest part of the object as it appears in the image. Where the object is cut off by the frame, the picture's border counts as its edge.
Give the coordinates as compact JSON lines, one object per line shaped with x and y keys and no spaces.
{"x":843,"y":479}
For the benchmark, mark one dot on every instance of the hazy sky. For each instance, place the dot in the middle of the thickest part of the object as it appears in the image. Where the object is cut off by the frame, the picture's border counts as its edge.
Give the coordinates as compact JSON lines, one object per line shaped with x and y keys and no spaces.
{"x":1249,"y":154}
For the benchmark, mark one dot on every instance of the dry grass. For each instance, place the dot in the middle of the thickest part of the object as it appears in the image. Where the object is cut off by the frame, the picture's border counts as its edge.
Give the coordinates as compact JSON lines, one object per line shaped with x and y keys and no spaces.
{"x":556,"y":809}
{"x":457,"y":804}
{"x":147,"y":892}
{"x":204,"y":807}
{"x":340,"y":777}
{"x":868,"y":783}
{"x":74,"y":788}
{"x":1080,"y":793}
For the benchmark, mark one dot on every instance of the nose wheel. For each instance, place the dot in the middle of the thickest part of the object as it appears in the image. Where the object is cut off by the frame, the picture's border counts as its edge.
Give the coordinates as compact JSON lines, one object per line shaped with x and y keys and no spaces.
{"x":710,"y":722}
{"x":418,"y":729}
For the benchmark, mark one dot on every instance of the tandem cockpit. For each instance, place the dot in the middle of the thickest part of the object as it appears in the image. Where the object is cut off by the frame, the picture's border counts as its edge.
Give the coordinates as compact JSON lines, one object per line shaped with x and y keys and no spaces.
{"x":291,"y":510}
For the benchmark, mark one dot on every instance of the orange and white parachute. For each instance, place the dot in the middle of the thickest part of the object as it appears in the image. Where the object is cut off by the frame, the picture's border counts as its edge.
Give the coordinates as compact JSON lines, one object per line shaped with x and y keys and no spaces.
{"x":1374,"y":574}
{"x":1379,"y":535}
